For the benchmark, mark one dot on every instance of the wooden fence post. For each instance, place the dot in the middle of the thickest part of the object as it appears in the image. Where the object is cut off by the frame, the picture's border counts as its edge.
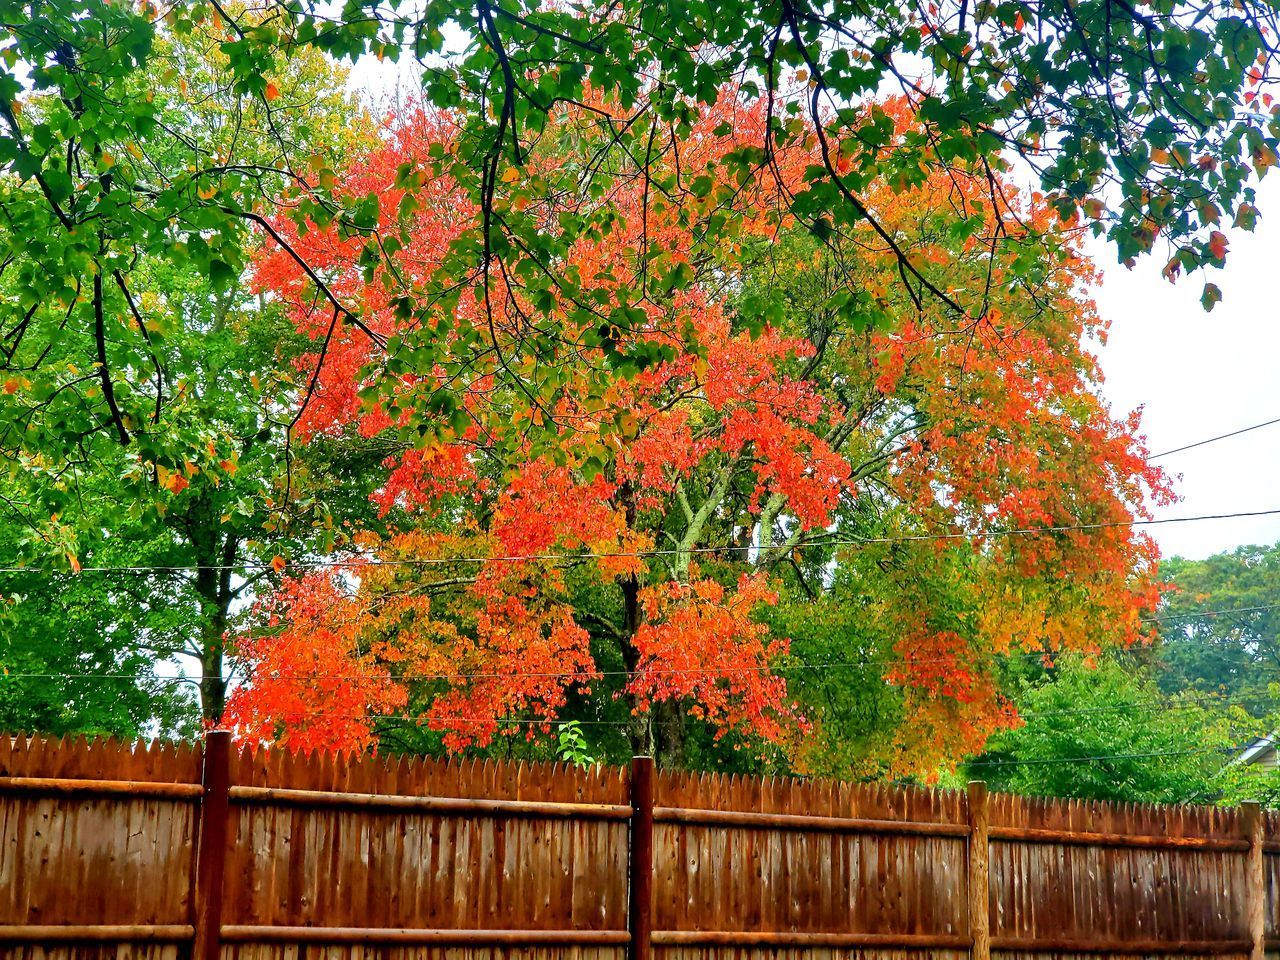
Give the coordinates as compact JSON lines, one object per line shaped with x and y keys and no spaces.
{"x":1255,"y":880}
{"x":640,"y":909}
{"x":979,"y":861}
{"x":211,"y":854}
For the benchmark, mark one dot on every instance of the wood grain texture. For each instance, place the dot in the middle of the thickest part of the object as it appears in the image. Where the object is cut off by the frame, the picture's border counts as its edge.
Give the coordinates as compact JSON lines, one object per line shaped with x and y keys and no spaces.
{"x":86,"y":858}
{"x":723,"y":877}
{"x":978,"y":880}
{"x":382,"y":858}
{"x":1066,"y":892}
{"x":425,"y":868}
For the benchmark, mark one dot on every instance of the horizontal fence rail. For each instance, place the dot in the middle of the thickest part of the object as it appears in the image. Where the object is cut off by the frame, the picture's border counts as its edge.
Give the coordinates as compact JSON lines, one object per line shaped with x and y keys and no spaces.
{"x":448,"y":806}
{"x":220,"y":854}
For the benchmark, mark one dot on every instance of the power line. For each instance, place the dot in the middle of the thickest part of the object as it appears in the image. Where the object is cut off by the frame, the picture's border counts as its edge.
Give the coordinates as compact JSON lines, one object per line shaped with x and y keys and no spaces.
{"x":864,"y":664}
{"x":358,"y":563}
{"x":1208,"y":700}
{"x":1210,"y":613}
{"x":1116,"y":708}
{"x":1221,"y":436}
{"x":1100,"y":757}
{"x":293,"y":715}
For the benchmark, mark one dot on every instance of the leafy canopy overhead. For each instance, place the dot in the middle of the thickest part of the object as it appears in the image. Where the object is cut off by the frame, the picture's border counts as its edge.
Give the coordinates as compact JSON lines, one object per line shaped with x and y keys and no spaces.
{"x":1148,"y":119}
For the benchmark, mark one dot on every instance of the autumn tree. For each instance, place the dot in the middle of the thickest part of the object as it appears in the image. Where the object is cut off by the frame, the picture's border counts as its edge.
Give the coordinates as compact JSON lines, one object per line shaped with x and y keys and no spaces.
{"x":765,"y":434}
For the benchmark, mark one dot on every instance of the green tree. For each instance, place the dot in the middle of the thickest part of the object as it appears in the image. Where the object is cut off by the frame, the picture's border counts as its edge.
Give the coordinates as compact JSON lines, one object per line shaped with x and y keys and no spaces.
{"x":1220,"y":626}
{"x":188,"y":468}
{"x":1106,"y":732}
{"x":83,"y":659}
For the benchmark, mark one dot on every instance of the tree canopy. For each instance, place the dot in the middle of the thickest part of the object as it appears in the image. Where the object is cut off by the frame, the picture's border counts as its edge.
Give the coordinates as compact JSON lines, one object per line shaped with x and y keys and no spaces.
{"x":1149,"y":121}
{"x":717,"y":383}
{"x":758,"y":453}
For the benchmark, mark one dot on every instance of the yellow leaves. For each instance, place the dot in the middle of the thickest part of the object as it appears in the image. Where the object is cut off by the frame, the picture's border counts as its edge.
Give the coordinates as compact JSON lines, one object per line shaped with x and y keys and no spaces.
{"x":208,"y":192}
{"x":1263,"y":159}
{"x":628,"y":425}
{"x":510,"y":175}
{"x":172,"y":480}
{"x":106,"y":161}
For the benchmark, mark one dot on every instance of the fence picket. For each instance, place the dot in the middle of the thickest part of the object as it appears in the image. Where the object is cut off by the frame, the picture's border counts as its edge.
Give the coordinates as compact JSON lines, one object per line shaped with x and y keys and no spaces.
{"x":254,"y":854}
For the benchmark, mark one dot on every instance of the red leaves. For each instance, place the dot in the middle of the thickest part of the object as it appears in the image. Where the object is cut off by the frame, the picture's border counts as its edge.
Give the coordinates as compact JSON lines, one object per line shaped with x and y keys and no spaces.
{"x":700,"y":645}
{"x":996,"y":427}
{"x":1218,"y":245}
{"x":310,"y":686}
{"x":525,"y":656}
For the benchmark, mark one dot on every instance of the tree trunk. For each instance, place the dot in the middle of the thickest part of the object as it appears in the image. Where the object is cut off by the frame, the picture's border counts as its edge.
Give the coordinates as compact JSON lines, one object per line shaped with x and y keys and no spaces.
{"x":213,"y":586}
{"x":641,"y":730}
{"x":214,"y":606}
{"x":667,"y":724}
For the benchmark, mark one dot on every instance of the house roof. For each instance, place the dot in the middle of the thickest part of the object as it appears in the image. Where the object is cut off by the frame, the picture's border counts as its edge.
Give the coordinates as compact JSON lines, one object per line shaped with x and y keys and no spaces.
{"x":1257,"y":748}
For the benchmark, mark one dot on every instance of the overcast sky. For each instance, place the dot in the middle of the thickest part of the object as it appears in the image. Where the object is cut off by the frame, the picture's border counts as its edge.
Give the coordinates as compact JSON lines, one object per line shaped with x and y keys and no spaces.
{"x":1197,"y":375}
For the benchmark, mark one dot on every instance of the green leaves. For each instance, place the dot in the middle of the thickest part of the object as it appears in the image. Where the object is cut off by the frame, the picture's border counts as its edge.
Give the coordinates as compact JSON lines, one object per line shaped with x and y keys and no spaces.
{"x":173,"y":148}
{"x":1211,"y":297}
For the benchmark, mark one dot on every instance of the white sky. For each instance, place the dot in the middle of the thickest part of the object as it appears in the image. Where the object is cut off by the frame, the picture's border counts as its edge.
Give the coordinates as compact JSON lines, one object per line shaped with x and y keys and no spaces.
{"x":1197,"y":375}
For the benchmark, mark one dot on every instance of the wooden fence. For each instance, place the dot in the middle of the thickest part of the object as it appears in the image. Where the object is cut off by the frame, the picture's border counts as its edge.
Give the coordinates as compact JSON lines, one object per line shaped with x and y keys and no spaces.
{"x":163,"y":852}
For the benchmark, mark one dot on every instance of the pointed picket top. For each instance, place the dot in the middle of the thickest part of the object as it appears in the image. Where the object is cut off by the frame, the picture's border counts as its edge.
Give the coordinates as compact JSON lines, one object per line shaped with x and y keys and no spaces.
{"x":36,"y":762}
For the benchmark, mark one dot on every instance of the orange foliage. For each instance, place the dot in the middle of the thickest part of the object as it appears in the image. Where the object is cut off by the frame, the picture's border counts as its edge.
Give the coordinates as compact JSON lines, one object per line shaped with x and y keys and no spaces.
{"x":312,"y":686}
{"x":988,"y":429}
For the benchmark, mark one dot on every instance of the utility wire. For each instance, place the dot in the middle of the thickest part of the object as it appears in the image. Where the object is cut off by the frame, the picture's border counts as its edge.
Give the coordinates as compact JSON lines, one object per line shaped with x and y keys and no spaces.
{"x":1208,"y":700}
{"x":1099,"y":758}
{"x":1210,"y":613}
{"x":1221,"y":436}
{"x":864,"y":664}
{"x":358,"y":563}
